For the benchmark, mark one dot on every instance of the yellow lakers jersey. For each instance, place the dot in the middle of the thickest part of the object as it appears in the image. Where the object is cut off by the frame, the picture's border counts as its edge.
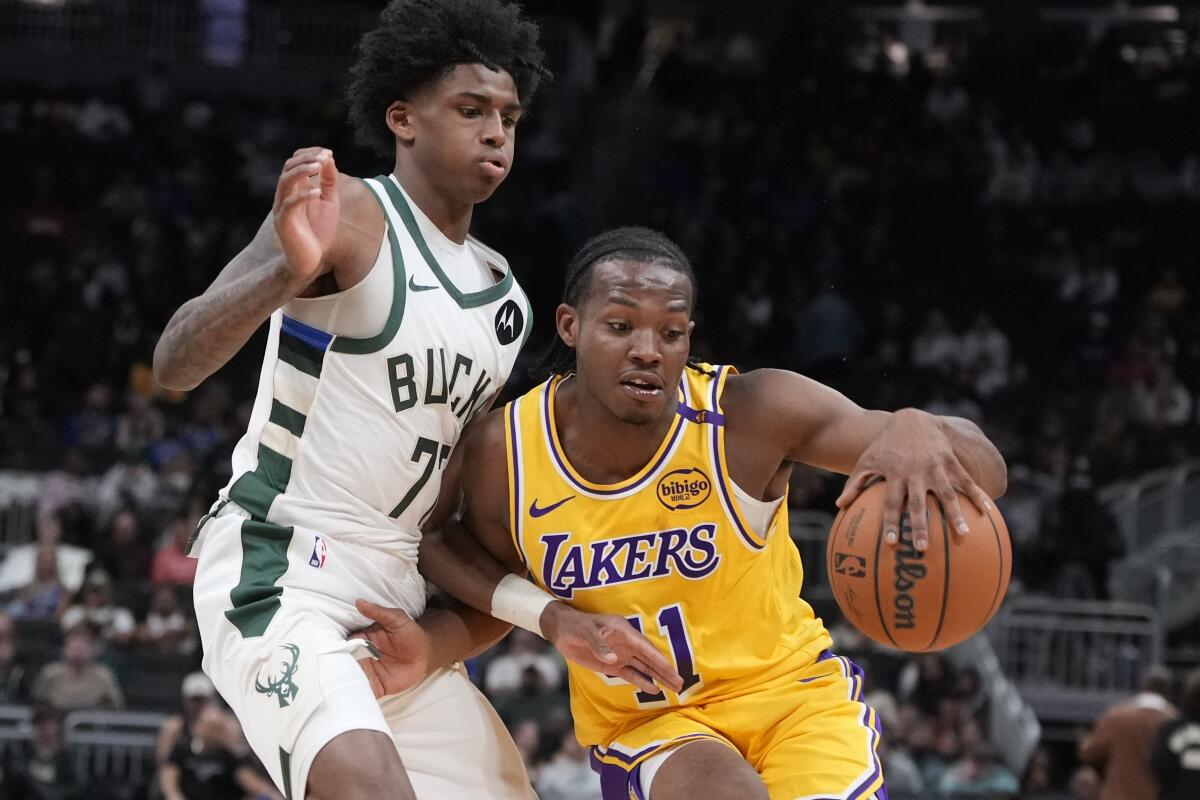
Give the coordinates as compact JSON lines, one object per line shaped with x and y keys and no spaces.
{"x":670,"y":550}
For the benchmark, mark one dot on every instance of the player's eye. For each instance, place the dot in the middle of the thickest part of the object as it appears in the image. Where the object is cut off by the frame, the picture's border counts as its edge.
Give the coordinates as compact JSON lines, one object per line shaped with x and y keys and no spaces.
{"x":469,"y":111}
{"x":619,"y":326}
{"x":510,"y":122}
{"x":673,"y":334}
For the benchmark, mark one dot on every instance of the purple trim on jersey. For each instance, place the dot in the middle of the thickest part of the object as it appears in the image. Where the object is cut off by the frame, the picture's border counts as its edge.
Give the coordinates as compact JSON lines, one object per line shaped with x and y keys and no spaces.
{"x":518,"y":513}
{"x":618,"y":780}
{"x":699,"y":416}
{"x":313,"y":337}
{"x":854,"y":673}
{"x":559,"y":459}
{"x":721,"y":481}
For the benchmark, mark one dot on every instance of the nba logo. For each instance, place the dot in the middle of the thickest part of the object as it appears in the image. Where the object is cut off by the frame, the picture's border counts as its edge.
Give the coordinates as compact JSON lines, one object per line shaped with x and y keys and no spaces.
{"x":317,"y":559}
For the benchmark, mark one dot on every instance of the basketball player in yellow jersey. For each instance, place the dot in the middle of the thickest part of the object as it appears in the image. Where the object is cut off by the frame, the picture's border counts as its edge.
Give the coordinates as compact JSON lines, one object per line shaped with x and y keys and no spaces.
{"x":638,"y":484}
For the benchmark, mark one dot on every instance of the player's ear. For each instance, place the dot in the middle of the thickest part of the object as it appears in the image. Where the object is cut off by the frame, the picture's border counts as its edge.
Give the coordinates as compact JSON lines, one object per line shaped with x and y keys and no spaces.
{"x":399,"y":120}
{"x":566,"y":320}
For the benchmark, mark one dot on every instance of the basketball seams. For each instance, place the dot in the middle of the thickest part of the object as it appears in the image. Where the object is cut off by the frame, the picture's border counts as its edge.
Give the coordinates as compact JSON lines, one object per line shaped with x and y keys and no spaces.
{"x":878,"y":599}
{"x":997,"y":597}
{"x":946,"y":572}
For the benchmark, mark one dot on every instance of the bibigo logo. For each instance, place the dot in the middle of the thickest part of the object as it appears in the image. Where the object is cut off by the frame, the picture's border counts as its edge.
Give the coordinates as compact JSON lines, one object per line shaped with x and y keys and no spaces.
{"x":683,"y":488}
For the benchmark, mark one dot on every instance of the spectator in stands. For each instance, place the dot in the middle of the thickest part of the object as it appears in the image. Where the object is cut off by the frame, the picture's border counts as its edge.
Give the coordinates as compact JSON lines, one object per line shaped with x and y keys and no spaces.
{"x":1039,"y":782}
{"x":1085,"y":784}
{"x":903,"y":775}
{"x":568,"y":775}
{"x":527,"y":736}
{"x":13,"y":688}
{"x":77,"y":681}
{"x":198,"y":698}
{"x":94,"y":606}
{"x":525,"y":649}
{"x":201,"y":766}
{"x":1079,"y":540}
{"x":127,"y":483}
{"x":936,"y":347}
{"x":166,"y":628}
{"x":923,"y":681}
{"x":20,"y":565}
{"x":171,"y":564}
{"x":985,"y":355}
{"x":1176,"y":752}
{"x":123,"y":552}
{"x":44,"y":770}
{"x":980,"y":774}
{"x":44,"y":597}
{"x":532,"y":699}
{"x":1121,"y":742}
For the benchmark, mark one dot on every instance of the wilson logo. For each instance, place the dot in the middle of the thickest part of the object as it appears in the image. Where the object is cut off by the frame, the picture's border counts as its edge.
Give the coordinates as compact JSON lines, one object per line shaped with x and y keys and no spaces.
{"x":910,"y":568}
{"x":683,"y":488}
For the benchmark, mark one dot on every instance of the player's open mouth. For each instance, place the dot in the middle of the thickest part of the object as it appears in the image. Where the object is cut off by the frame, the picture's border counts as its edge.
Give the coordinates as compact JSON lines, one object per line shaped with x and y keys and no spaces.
{"x":643,"y":388}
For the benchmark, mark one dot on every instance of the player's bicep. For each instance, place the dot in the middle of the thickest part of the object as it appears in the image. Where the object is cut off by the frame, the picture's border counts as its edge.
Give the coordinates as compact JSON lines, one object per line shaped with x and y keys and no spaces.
{"x":814,"y":424}
{"x":485,"y":486}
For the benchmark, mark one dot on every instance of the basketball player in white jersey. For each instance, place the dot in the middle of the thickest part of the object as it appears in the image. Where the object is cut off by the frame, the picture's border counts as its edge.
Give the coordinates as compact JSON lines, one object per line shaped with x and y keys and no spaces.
{"x":390,"y":328}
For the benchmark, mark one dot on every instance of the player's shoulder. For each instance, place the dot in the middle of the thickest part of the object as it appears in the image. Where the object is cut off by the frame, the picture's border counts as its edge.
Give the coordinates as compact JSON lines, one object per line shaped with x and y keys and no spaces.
{"x":758,"y":389}
{"x":356,"y":197}
{"x":770,"y":400}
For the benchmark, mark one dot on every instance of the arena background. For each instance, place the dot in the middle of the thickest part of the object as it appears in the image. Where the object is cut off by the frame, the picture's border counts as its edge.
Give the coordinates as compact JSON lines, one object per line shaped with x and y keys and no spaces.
{"x":983,"y":209}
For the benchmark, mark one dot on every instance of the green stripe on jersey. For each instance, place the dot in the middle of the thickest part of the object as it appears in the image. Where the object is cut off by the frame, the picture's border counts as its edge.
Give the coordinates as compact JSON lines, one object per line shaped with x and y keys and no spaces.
{"x":373,"y":344}
{"x":256,"y":491}
{"x":285,"y":762}
{"x":304,"y":357}
{"x":469,"y":300}
{"x":264,"y":560}
{"x":287,"y":418}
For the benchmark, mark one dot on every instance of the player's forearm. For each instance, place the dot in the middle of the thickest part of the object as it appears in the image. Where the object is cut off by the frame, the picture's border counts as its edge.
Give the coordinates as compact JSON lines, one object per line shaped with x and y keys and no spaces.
{"x":978,"y":456}
{"x":460,"y":566}
{"x":209,"y":330}
{"x":460,"y":632}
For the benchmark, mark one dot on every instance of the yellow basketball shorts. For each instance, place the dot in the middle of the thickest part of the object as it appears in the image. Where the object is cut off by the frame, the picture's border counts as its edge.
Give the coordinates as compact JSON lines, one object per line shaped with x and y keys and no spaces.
{"x":810,"y":739}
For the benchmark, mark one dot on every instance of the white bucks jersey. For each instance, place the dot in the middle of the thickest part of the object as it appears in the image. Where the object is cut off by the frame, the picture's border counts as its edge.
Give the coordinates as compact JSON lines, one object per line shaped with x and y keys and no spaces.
{"x":349,"y":436}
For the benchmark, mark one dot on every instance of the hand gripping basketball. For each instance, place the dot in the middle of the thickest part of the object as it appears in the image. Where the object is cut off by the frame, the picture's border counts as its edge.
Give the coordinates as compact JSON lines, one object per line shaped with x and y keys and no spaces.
{"x":914,"y":457}
{"x":910,"y":598}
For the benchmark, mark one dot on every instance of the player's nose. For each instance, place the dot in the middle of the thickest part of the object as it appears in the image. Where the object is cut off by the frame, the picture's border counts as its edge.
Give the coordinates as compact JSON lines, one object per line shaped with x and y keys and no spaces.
{"x":643,"y":347}
{"x":493,"y":131}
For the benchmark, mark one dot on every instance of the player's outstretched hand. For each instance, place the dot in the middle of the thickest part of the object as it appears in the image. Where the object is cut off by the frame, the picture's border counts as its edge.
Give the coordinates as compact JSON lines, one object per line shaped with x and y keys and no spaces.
{"x":915,"y":457}
{"x":405,"y":652}
{"x":608,"y":644}
{"x":306,"y":210}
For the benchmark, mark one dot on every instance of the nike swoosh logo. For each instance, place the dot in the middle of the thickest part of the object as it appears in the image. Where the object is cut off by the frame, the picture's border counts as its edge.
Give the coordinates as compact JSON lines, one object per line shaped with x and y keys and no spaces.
{"x":819,"y":677}
{"x":417,"y":287}
{"x":536,"y":512}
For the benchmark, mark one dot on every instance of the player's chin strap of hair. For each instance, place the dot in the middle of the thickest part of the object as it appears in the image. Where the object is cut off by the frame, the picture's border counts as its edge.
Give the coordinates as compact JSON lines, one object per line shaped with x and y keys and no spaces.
{"x":518,"y":602}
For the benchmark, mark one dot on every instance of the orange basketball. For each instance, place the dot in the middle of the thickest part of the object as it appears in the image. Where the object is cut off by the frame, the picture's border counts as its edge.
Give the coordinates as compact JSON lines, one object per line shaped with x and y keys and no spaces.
{"x":913,"y":600}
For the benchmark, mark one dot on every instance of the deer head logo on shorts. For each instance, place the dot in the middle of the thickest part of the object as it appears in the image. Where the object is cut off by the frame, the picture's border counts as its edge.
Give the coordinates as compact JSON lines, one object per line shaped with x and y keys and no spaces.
{"x":282,"y":686}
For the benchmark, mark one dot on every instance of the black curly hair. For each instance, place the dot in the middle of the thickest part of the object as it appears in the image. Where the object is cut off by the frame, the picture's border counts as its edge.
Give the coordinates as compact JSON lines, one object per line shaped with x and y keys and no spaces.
{"x":642,"y":245}
{"x":419,"y":41}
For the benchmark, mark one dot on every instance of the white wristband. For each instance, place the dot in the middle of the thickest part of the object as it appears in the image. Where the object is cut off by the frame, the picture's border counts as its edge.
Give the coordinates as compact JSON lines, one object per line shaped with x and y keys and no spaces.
{"x":519,"y":602}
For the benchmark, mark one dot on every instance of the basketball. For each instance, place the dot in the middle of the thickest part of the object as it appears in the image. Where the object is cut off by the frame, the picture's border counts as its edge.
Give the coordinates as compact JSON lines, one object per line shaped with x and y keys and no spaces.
{"x":912,"y":600}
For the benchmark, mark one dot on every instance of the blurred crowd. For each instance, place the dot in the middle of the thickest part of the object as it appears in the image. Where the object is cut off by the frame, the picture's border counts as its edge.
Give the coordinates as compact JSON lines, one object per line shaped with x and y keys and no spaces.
{"x":1002,"y":234}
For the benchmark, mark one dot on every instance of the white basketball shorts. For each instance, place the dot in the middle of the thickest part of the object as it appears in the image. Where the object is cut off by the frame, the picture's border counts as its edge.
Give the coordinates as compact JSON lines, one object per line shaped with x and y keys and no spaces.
{"x":275,"y":606}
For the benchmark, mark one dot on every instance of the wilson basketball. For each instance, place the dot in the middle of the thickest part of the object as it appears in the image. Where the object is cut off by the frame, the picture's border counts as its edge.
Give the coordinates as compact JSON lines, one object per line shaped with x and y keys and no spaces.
{"x":914,"y":600}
